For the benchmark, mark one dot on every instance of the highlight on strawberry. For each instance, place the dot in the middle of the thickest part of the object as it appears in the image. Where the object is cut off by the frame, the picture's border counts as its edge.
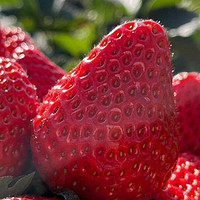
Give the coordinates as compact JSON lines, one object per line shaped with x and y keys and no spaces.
{"x":107,"y":129}
{"x":30,"y":197}
{"x":184,"y":182}
{"x":18,"y":45}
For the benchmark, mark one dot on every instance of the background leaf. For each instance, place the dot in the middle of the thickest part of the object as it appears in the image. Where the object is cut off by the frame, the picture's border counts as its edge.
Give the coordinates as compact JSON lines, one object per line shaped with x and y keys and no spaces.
{"x":14,"y":187}
{"x":78,"y":42}
{"x":157,"y":4}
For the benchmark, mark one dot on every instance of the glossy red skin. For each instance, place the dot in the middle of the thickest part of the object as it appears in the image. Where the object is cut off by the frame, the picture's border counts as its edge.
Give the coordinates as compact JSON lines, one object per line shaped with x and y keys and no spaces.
{"x":184,"y":182}
{"x":109,"y":132}
{"x":187,"y":97}
{"x":29,"y":198}
{"x":41,"y":71}
{"x":18,"y":103}
{"x":15,"y":37}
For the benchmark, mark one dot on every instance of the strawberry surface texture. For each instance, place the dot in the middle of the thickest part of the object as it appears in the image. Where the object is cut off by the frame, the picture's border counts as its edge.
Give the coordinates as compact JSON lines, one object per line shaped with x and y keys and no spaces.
{"x":107,"y":129}
{"x":29,"y":198}
{"x":184,"y":182}
{"x":18,"y":45}
{"x":186,"y":87}
{"x":18,"y":102}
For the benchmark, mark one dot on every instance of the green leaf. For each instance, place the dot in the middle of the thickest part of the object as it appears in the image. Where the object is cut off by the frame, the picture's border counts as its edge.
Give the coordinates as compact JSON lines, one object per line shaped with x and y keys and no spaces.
{"x":10,"y":2}
{"x":70,"y":43}
{"x":14,"y":187}
{"x":28,"y":23}
{"x":107,"y":11}
{"x":77,"y":43}
{"x":156,"y":4}
{"x":71,"y":63}
{"x":196,"y":38}
{"x":193,"y":5}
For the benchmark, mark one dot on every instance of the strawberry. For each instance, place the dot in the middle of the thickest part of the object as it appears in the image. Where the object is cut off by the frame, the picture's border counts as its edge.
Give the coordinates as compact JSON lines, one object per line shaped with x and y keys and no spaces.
{"x":187,"y":97}
{"x":31,"y":197}
{"x":107,"y":129}
{"x":184,"y":182}
{"x":41,"y":71}
{"x":67,"y":195}
{"x":18,"y":102}
{"x":14,"y":37}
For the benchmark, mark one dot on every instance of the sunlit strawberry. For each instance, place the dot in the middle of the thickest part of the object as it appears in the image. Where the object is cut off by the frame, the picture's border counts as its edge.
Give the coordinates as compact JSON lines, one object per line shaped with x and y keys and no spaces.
{"x":107,"y":129}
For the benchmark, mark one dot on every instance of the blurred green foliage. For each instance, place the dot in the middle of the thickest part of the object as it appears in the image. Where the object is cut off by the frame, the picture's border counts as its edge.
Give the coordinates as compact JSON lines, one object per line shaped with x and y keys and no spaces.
{"x":66,"y":30}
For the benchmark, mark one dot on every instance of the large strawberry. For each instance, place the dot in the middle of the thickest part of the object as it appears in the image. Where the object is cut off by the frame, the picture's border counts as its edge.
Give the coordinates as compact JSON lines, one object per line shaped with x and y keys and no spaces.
{"x":187,"y":97}
{"x":18,"y":102}
{"x":107,"y":130}
{"x":41,"y":71}
{"x":184,"y":182}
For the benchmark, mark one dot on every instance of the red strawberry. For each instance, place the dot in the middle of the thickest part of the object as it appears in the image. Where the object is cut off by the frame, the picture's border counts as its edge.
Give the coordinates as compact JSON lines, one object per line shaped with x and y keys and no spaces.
{"x":29,"y":198}
{"x":187,"y":97}
{"x":107,"y":129}
{"x":14,"y":37}
{"x":185,"y":180}
{"x":41,"y":71}
{"x":18,"y":102}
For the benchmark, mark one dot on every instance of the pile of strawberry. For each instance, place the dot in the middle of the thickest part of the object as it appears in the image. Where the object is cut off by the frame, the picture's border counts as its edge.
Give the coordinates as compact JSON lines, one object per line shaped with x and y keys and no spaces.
{"x":117,"y":127}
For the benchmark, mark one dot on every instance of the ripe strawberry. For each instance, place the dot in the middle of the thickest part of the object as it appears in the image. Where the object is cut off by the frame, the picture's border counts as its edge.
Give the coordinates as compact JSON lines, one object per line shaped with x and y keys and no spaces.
{"x":41,"y":71}
{"x":187,"y":97}
{"x":29,"y":198}
{"x":14,"y":37}
{"x":107,"y":129}
{"x":185,"y":180}
{"x":18,"y":103}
